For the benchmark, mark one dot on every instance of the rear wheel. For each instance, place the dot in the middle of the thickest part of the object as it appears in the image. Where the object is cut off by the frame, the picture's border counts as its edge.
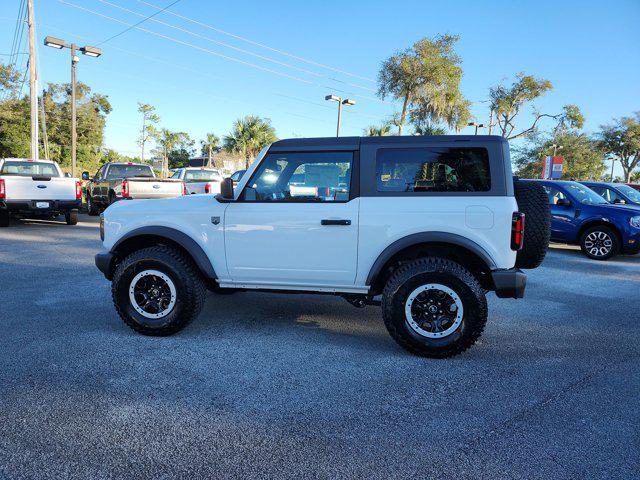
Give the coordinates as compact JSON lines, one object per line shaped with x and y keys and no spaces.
{"x":71,"y":217}
{"x":434,"y":307}
{"x":92,"y":208}
{"x":5,"y":218}
{"x":157,"y":291}
{"x":599,"y":243}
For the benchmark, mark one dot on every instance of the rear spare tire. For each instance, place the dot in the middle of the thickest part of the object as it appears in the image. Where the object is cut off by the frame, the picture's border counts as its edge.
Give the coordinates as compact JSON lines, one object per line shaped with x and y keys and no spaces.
{"x":534,"y":203}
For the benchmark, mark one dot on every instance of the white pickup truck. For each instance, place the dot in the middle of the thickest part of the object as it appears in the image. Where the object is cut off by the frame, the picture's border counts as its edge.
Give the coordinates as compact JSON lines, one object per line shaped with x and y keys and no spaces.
{"x":117,"y":181}
{"x":37,"y":189}
{"x":199,"y":179}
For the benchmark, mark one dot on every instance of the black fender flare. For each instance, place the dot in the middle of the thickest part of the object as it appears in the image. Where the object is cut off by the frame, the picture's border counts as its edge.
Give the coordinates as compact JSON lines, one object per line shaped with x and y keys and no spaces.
{"x":427,"y":237}
{"x":185,"y":241}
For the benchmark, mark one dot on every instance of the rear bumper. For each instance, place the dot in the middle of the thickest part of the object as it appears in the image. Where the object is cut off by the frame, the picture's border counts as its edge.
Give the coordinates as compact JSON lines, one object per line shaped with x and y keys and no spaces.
{"x":509,"y":283}
{"x":104,"y":262}
{"x":30,"y":206}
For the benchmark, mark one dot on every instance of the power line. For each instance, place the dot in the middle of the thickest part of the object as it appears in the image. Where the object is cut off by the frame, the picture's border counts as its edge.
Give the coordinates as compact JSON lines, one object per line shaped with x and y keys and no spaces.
{"x":140,"y":22}
{"x":205,"y":74}
{"x":214,"y":53}
{"x":242,"y":50}
{"x":258,"y":44}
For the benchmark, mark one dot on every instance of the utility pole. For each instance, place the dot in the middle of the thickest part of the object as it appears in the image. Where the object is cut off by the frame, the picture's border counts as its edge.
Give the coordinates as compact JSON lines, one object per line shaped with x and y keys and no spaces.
{"x":33,"y":81}
{"x":144,"y":117}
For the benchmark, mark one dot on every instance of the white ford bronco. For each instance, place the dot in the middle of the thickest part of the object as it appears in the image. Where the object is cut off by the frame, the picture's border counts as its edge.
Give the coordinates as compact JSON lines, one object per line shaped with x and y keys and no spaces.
{"x":423,"y":226}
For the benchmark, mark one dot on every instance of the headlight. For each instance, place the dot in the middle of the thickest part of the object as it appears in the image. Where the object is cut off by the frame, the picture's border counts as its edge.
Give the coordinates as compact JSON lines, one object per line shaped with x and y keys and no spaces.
{"x":635,"y":221}
{"x":102,"y":226}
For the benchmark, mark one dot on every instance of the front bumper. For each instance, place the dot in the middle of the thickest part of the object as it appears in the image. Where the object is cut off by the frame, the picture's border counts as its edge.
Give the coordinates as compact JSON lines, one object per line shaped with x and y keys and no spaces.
{"x":509,"y":283}
{"x":30,"y":206}
{"x":104,"y":262}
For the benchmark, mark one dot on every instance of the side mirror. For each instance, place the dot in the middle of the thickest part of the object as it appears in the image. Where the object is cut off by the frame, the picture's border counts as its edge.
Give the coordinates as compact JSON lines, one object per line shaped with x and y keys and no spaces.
{"x":67,"y":175}
{"x":563,"y":202}
{"x":85,"y":176}
{"x":226,"y":189}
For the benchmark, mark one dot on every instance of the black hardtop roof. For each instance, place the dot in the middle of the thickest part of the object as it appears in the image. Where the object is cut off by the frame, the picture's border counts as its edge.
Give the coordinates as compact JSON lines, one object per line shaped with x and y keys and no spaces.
{"x":355,"y":142}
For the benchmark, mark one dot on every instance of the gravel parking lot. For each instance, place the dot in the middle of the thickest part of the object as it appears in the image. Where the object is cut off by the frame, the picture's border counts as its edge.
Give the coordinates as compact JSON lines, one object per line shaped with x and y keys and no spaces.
{"x":309,"y":386}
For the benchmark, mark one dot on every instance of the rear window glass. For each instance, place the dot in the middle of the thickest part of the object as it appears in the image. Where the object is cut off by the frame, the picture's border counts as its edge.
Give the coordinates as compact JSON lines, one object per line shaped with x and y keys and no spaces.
{"x":201,"y":175}
{"x":127,"y":171}
{"x":29,"y":169}
{"x":433,"y":169}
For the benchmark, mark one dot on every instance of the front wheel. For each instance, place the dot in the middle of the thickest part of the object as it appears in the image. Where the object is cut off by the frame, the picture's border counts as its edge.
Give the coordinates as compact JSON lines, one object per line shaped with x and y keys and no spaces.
{"x":434,"y":307}
{"x":599,"y":243}
{"x":157,"y":291}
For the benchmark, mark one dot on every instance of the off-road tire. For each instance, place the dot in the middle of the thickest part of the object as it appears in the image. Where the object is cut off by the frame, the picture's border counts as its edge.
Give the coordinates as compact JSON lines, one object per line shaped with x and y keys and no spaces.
{"x":415,"y":273}
{"x":92,"y":208}
{"x":533,"y":201}
{"x":189,"y":284}
{"x":71,"y":217}
{"x":5,"y":218}
{"x":607,"y":230}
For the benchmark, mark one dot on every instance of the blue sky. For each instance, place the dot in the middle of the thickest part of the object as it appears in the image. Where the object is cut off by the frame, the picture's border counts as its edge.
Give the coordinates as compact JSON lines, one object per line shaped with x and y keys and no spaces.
{"x":588,"y":49}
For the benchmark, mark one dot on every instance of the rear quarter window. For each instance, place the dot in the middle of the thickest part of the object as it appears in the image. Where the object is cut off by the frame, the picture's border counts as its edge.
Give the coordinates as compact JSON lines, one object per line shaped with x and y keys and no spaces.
{"x":433,"y":169}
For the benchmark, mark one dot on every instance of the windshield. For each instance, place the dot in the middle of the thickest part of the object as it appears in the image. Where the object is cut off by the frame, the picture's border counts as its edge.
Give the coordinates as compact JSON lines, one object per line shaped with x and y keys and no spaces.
{"x":584,"y":194}
{"x":29,"y":169}
{"x":202,"y":175}
{"x":127,"y":171}
{"x":631,"y":193}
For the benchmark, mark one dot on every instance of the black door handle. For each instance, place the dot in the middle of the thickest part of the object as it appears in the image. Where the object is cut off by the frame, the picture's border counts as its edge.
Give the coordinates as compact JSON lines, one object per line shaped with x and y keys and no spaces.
{"x":335,"y":222}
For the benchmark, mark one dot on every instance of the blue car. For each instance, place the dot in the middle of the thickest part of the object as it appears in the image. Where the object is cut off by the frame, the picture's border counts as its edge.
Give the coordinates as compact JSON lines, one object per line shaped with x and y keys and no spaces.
{"x":617,"y":193}
{"x":579,"y":216}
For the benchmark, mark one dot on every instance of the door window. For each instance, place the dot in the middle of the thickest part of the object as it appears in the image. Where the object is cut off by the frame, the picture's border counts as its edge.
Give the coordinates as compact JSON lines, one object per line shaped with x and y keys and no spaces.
{"x":301,"y":177}
{"x":554,"y":195}
{"x":612,"y":196}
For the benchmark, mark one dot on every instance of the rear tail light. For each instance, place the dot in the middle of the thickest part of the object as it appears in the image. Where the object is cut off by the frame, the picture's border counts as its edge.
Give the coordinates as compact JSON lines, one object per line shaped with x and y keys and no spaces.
{"x":517,"y":231}
{"x":3,"y":189}
{"x":78,"y":190}
{"x":208,"y":187}
{"x":184,"y":188}
{"x":125,"y":189}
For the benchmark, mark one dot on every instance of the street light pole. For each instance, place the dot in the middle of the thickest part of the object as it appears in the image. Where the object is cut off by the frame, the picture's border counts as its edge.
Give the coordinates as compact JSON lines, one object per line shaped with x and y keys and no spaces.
{"x":341,"y":102}
{"x":477,"y":125}
{"x":86,"y":50}
{"x":74,"y":61}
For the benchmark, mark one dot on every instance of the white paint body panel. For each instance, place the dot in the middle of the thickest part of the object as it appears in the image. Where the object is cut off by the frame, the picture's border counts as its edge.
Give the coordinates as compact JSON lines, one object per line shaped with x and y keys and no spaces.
{"x":483,"y":220}
{"x":285,"y":243}
{"x":25,"y":188}
{"x":264,"y":245}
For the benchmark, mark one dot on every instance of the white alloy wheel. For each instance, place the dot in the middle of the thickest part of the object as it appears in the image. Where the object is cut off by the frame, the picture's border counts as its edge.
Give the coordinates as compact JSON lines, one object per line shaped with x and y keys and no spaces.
{"x":434,"y":310}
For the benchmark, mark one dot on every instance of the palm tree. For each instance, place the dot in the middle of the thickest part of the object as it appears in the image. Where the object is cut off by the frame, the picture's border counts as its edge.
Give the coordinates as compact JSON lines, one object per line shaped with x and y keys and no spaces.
{"x":209,"y":145}
{"x":249,"y":135}
{"x":374,"y":131}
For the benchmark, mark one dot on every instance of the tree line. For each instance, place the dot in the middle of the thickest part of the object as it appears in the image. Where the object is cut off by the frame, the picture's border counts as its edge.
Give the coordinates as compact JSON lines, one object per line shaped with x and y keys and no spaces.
{"x":423,"y":79}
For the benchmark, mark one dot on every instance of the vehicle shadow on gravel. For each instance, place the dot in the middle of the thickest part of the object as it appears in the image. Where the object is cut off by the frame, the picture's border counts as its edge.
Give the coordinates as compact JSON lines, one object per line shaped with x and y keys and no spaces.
{"x":319,"y":318}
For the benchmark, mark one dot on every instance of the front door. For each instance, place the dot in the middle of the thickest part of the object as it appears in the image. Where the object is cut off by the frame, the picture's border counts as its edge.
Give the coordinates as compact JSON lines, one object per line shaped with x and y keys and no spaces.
{"x":563,"y":215}
{"x":295,"y":223}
